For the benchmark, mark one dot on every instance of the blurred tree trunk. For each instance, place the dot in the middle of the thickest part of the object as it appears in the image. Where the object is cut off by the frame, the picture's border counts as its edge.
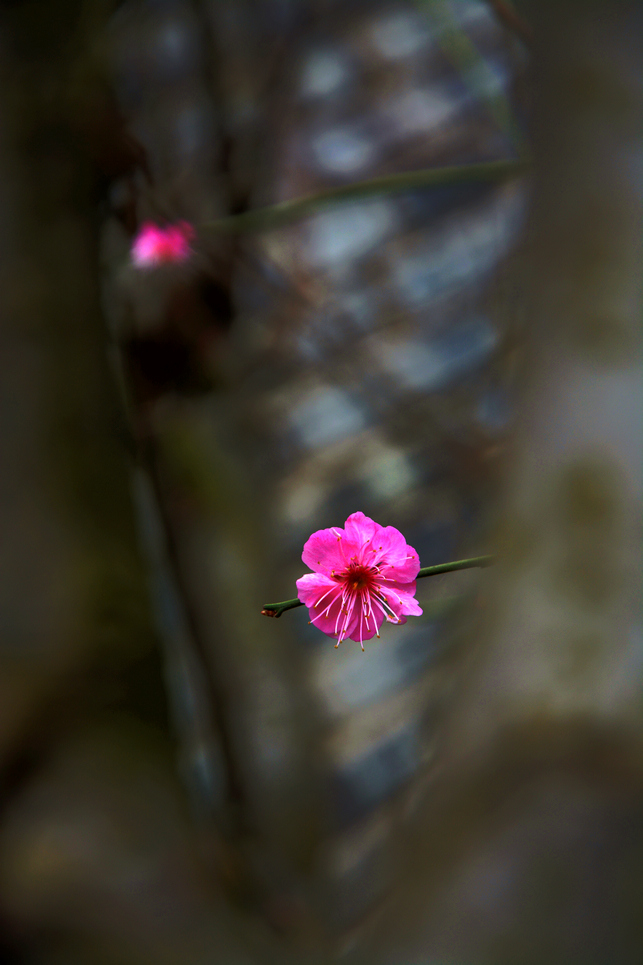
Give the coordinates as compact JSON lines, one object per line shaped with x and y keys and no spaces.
{"x":73,"y":585}
{"x":528,"y":846}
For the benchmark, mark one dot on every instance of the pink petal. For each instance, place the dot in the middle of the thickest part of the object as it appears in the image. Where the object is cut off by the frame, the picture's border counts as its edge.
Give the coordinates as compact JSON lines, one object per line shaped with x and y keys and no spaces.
{"x":144,"y":245}
{"x":323,"y":597}
{"x":383,"y":545}
{"x":328,"y":551}
{"x":400,"y":599}
{"x":390,"y":544}
{"x":312,"y":586}
{"x":410,"y":606}
{"x":154,"y":246}
{"x":402,"y":565}
{"x":361,"y":529}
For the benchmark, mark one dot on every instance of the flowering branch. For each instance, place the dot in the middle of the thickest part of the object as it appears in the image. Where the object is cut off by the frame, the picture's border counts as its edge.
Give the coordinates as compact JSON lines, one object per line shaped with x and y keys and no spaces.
{"x":156,"y":246}
{"x":276,"y":609}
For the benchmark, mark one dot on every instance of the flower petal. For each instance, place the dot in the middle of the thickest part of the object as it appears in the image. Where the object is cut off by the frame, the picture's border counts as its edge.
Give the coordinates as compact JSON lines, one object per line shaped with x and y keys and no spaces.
{"x":155,"y":246}
{"x":312,"y":587}
{"x":400,"y":569}
{"x":400,"y":600}
{"x":361,"y":529}
{"x":410,"y":606}
{"x":328,"y":551}
{"x":323,"y":597}
{"x":394,"y":551}
{"x":383,"y":546}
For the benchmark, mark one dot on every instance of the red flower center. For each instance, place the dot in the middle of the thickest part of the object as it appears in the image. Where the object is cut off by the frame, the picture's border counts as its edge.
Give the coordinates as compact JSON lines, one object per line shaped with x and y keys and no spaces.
{"x":358,"y":576}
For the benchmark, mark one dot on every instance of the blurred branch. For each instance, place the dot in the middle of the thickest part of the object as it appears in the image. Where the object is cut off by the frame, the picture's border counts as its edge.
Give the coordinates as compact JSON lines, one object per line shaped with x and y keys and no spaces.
{"x":474,"y":70}
{"x":506,"y":12}
{"x":272,"y":216}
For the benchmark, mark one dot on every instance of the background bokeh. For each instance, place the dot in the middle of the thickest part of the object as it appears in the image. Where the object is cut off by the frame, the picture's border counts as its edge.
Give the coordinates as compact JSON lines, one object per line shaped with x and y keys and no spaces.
{"x":184,"y":781}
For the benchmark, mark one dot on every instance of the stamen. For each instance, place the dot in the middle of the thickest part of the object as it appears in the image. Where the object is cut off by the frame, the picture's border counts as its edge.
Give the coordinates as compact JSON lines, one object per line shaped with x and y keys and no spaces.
{"x":378,"y":604}
{"x":319,"y":615}
{"x":370,"y":613}
{"x":386,"y":609}
{"x":324,"y":596}
{"x":341,"y":609}
{"x":349,"y":613}
{"x":391,"y":590}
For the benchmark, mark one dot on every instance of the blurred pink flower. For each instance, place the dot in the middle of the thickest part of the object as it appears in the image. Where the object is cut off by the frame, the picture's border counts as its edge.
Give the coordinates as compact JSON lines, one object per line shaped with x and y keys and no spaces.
{"x":362,"y":574}
{"x":154,"y":246}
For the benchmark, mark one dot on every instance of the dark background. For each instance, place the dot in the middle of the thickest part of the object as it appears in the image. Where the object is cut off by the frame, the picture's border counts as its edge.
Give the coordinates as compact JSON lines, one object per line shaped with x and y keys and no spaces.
{"x":184,"y":781}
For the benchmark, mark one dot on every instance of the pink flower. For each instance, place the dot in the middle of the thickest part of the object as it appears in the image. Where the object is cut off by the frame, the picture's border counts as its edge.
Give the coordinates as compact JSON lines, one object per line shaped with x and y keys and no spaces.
{"x":154,"y":246}
{"x":362,"y":574}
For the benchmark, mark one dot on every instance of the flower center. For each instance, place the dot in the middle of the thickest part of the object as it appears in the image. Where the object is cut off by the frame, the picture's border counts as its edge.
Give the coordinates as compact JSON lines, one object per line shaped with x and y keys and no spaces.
{"x":358,"y":577}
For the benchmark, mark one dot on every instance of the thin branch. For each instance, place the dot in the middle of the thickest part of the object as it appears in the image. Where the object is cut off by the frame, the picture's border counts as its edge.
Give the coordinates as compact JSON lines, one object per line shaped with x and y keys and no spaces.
{"x":473,"y":69}
{"x":469,"y":564}
{"x":506,"y":12}
{"x":274,"y":215}
{"x":276,"y":609}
